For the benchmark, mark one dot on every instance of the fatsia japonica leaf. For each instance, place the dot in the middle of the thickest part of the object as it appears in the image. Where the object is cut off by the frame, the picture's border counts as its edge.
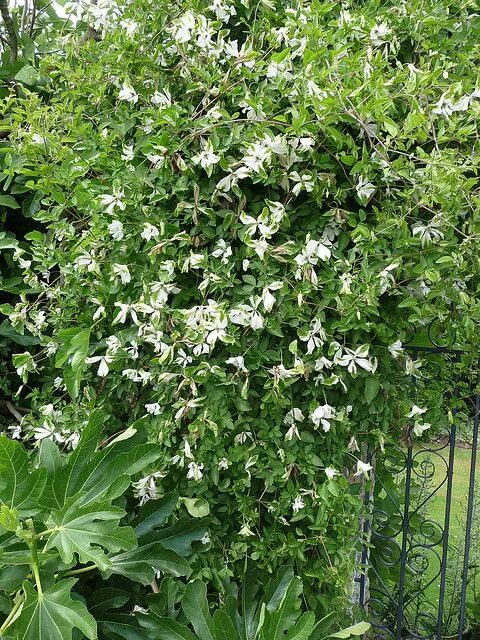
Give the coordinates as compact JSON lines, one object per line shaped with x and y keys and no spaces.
{"x":167,"y":629}
{"x":179,"y":536}
{"x":64,"y":479}
{"x":223,"y":626}
{"x":141,"y":564}
{"x":356,"y":630}
{"x":109,"y":472}
{"x":285,"y":615}
{"x":303,"y":628}
{"x":20,"y":487}
{"x":86,"y":531}
{"x":53,"y":615}
{"x":154,"y":513}
{"x":99,"y":473}
{"x":122,"y":626}
{"x":195,"y":608}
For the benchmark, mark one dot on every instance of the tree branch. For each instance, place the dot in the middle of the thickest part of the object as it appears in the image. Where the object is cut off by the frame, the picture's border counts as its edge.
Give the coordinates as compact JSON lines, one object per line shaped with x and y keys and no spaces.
{"x":10,"y":29}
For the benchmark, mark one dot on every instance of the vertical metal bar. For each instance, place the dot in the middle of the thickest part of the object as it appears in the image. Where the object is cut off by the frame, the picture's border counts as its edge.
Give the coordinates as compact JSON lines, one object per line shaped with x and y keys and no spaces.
{"x":403,"y":555}
{"x":468,"y":531}
{"x":446,"y":530}
{"x":405,"y":530}
{"x":365,"y":558}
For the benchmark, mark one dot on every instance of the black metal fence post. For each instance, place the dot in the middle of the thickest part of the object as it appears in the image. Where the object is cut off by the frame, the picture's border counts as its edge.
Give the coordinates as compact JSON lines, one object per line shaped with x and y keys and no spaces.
{"x":468,"y":527}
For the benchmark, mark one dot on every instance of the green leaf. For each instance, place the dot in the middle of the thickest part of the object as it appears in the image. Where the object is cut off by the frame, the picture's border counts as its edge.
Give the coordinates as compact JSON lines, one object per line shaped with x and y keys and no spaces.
{"x":15,"y":558}
{"x":102,"y":600}
{"x":154,"y":513}
{"x":197,"y":507}
{"x":27,"y":75}
{"x":303,"y":628}
{"x":49,"y":456}
{"x":195,"y":608}
{"x":53,"y":615}
{"x":223,"y":626}
{"x":79,"y":344}
{"x":109,"y":471}
{"x":72,"y":340}
{"x":8,"y":201}
{"x":324,"y":625}
{"x":64,"y":482}
{"x":166,"y":629}
{"x":20,"y":487}
{"x":12,"y":577}
{"x":72,"y":380}
{"x":179,"y":536}
{"x":372,"y":387}
{"x":122,"y":626}
{"x":286,"y":614}
{"x":9,"y":519}
{"x":277,"y":587}
{"x":87,"y":531}
{"x":357,"y":630}
{"x":7,"y":331}
{"x":141,"y":564}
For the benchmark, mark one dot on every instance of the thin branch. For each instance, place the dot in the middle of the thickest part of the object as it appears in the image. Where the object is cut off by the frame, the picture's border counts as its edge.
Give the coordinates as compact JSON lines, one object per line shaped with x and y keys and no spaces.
{"x":10,"y":29}
{"x":34,"y":17}
{"x":15,"y":411}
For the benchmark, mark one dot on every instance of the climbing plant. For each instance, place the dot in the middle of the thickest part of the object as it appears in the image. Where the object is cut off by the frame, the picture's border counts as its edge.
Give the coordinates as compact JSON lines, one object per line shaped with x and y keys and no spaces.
{"x":245,"y":210}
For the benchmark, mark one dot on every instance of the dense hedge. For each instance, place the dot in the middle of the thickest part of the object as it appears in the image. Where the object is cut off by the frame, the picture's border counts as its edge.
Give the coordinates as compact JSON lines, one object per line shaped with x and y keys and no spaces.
{"x":243,"y":211}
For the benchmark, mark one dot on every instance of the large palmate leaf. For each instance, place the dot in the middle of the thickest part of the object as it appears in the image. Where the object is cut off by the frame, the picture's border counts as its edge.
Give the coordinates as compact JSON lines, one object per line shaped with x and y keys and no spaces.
{"x":141,"y":564}
{"x":108,"y":473}
{"x":53,"y":615}
{"x":20,"y":488}
{"x":64,"y":479}
{"x":87,"y":530}
{"x":99,"y":474}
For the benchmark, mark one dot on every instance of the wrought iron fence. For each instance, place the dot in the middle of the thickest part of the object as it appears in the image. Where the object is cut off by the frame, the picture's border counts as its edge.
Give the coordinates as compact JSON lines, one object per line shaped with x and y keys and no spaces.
{"x":406,"y":554}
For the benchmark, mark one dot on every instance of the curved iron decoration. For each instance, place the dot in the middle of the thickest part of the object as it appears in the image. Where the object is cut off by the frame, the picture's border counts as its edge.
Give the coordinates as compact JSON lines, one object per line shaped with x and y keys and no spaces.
{"x":407,"y":550}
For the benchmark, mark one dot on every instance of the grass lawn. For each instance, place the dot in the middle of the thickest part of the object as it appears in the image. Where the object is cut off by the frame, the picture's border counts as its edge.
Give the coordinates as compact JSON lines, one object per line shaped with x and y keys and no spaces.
{"x":436,"y":508}
{"x":461,"y":475}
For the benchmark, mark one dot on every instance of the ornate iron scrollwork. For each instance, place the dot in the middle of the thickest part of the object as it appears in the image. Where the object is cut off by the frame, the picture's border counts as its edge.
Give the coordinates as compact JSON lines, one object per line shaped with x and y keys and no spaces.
{"x":406,"y":555}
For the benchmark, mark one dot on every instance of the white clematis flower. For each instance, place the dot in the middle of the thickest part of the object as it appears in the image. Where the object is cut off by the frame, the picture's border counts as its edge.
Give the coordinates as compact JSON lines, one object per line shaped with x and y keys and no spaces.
{"x":415,"y":411}
{"x":331,"y":472}
{"x":128,"y":93}
{"x":365,"y":190}
{"x":195,"y":471}
{"x":122,"y":271}
{"x":103,"y":361}
{"x":363,"y":468}
{"x":298,"y":504}
{"x":149,"y":231}
{"x":420,"y":427}
{"x":206,"y":158}
{"x":115,"y":229}
{"x":322,"y":416}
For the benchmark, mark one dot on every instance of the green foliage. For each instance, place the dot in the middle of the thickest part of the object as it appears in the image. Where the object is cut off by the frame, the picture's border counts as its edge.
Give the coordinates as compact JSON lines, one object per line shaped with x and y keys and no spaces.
{"x":239,"y":214}
{"x":275,"y":615}
{"x":44,"y":590}
{"x":53,"y":614}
